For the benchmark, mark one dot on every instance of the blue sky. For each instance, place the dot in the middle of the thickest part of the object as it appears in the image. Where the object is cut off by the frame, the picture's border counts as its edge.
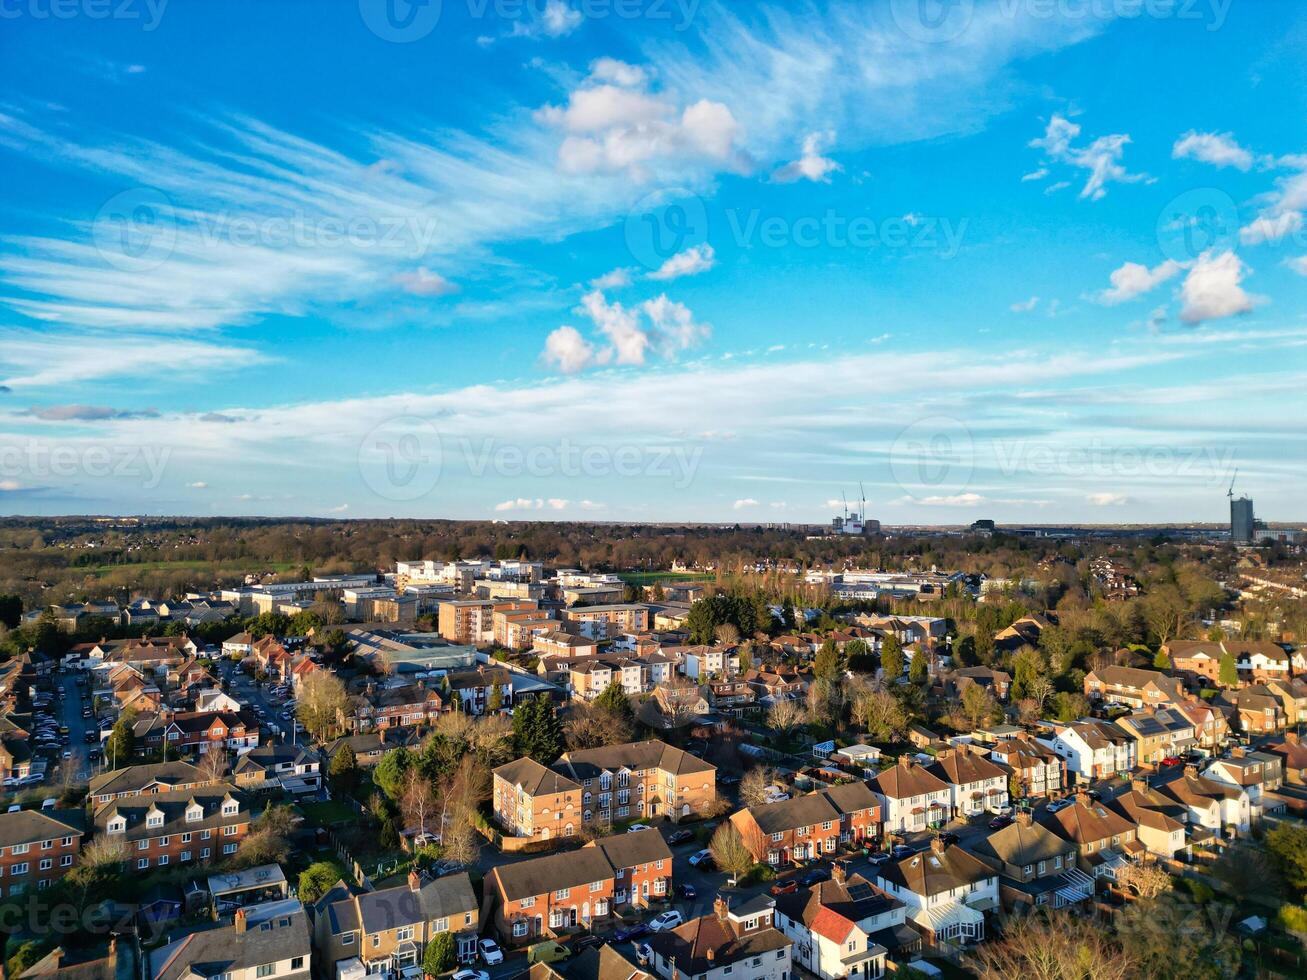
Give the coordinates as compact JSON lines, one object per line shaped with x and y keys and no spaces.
{"x":646,"y":260}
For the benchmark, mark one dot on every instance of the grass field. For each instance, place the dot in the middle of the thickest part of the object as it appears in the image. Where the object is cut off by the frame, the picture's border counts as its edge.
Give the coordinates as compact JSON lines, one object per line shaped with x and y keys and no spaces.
{"x":648,"y":578}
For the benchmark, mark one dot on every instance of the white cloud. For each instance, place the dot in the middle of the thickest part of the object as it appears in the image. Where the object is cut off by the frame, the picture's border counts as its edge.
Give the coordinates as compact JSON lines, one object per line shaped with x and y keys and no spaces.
{"x":1102,"y":157}
{"x":424,"y":282}
{"x":950,"y":500}
{"x":557,"y":503}
{"x":555,"y":19}
{"x":618,"y":72}
{"x":592,"y":505}
{"x":1299,"y":265}
{"x":660,"y":325}
{"x":9,"y":486}
{"x":1025,"y":305}
{"x":617,"y":279}
{"x":198,"y":485}
{"x":692,"y":261}
{"x":1037,"y":174}
{"x":520,"y":503}
{"x":1218,"y":149}
{"x":568,"y":351}
{"x":1213,"y":289}
{"x":811,"y":165}
{"x":1270,"y":228}
{"x":339,"y":509}
{"x":1133,"y":279}
{"x":1107,"y":499}
{"x":745,"y":503}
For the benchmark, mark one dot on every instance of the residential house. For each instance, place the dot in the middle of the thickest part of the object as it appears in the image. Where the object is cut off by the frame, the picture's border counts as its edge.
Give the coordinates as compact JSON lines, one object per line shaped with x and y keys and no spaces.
{"x":1293,"y":695}
{"x":530,"y":800}
{"x":600,"y":963}
{"x":1159,"y":734}
{"x":475,"y":692}
{"x":997,"y":682}
{"x":1161,"y":820}
{"x":1036,"y":867}
{"x":1211,"y":727}
{"x":291,"y":768}
{"x":1133,"y":686}
{"x":1036,"y":769}
{"x":196,"y":731}
{"x":1104,"y":839}
{"x":1293,"y":758}
{"x":158,"y":777}
{"x":270,"y":941}
{"x":387,"y":930}
{"x":1256,"y":773}
{"x":946,"y":890}
{"x":1256,"y":710}
{"x":911,"y":797}
{"x":38,"y":847}
{"x":202,"y":824}
{"x":721,"y":946}
{"x":832,"y":926}
{"x":393,"y":705}
{"x":976,"y":785}
{"x":639,"y":779}
{"x":1024,"y":632}
{"x":798,"y":829}
{"x":1091,"y":748}
{"x":1256,"y":661}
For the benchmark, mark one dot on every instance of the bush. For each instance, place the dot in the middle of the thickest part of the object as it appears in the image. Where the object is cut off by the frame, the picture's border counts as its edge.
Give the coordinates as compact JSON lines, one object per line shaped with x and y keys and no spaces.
{"x":1199,"y":891}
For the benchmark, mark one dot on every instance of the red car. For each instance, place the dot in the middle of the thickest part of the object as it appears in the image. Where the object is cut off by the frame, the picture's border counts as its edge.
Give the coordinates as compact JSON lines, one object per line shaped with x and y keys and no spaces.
{"x":1170,"y":760}
{"x":785,"y":887}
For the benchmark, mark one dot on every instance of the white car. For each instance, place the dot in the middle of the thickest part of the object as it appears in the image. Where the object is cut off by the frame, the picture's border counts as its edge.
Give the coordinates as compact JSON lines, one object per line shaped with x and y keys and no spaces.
{"x":490,"y":952}
{"x":700,"y":857}
{"x":665,"y":921}
{"x":471,"y":975}
{"x":635,"y":828}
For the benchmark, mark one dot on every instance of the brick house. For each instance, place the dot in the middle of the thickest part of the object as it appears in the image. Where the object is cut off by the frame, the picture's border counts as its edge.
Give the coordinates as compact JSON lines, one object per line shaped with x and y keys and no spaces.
{"x":792,"y":830}
{"x":639,"y":779}
{"x":388,"y":929}
{"x":158,"y":777}
{"x":470,"y":690}
{"x":530,"y":800}
{"x":1103,"y":838}
{"x":38,"y":847}
{"x":196,"y":731}
{"x":1037,"y":770}
{"x":550,"y":895}
{"x":203,"y":824}
{"x":1133,"y":686}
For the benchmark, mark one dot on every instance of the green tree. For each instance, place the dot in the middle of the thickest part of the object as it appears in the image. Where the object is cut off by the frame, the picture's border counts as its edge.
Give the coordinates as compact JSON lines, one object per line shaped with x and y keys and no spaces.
{"x":1287,"y":846}
{"x":826,"y":665}
{"x":440,"y":955}
{"x":495,"y":699}
{"x":121,"y":743}
{"x":891,"y":658}
{"x":613,"y":699}
{"x":745,"y":654}
{"x":1229,"y":671}
{"x":537,"y":731}
{"x":316,"y":880}
{"x":1161,"y":661}
{"x":918,"y":672}
{"x":344,"y":770}
{"x":860,"y":658}
{"x":389,"y":773}
{"x":11,"y":611}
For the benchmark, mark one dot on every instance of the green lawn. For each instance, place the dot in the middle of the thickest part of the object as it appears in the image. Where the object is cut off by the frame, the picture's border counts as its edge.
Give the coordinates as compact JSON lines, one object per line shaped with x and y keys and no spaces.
{"x":195,"y":564}
{"x":328,"y":814}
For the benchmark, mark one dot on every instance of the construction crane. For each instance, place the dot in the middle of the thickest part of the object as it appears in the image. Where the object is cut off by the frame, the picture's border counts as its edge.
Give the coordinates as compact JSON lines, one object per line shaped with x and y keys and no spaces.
{"x":1230,"y":493}
{"x":862,"y":515}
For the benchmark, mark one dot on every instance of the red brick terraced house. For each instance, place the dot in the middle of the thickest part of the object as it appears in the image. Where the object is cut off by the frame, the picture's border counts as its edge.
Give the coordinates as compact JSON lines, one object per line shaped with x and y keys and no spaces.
{"x":792,"y":830}
{"x":197,"y":731}
{"x":551,"y":895}
{"x":197,"y":825}
{"x":859,"y":811}
{"x":159,"y":777}
{"x":37,"y":847}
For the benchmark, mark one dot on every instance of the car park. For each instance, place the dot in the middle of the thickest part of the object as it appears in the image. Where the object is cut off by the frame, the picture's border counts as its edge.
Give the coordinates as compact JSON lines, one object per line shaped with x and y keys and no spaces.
{"x":666,"y":920}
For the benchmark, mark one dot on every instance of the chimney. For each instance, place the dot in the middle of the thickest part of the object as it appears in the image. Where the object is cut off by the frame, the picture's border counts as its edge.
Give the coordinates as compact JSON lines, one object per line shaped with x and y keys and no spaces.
{"x":905,"y":761}
{"x":1291,"y":738}
{"x":1025,"y":818}
{"x":839,"y":871}
{"x":1237,"y":752}
{"x":937,"y":845}
{"x":721,"y":907}
{"x":1139,"y":784}
{"x":113,"y":952}
{"x":414,"y":882}
{"x":1191,"y":771}
{"x":239,"y":922}
{"x":710,"y":954}
{"x":1082,"y":797}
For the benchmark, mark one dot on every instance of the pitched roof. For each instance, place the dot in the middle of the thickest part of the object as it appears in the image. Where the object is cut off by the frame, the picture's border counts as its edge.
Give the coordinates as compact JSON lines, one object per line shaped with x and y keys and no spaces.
{"x":1020,"y":844}
{"x":274,"y":931}
{"x":904,"y":781}
{"x":1083,"y":822}
{"x":436,"y":898}
{"x":539,"y":876}
{"x":136,"y":778}
{"x":30,"y":826}
{"x":800,"y":811}
{"x":651,"y":754}
{"x":533,"y":778}
{"x":712,"y":942}
{"x":961,"y":768}
{"x":941,"y":869}
{"x":631,"y":849}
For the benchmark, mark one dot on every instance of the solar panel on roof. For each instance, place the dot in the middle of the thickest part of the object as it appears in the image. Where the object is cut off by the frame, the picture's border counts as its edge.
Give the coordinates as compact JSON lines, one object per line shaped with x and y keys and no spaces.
{"x":859,"y":892}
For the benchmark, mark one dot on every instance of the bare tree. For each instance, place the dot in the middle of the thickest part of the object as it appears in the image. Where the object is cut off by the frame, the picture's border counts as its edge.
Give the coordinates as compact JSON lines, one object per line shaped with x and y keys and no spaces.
{"x":730,"y":852}
{"x":322,"y":704}
{"x":103,"y":852}
{"x":679,"y":698}
{"x":977,"y":705}
{"x":785,"y":716}
{"x":880,"y":713}
{"x":1056,"y":947}
{"x":418,"y":803}
{"x":727,"y":634}
{"x":753,"y":787}
{"x":1143,"y":880}
{"x":213,"y":764}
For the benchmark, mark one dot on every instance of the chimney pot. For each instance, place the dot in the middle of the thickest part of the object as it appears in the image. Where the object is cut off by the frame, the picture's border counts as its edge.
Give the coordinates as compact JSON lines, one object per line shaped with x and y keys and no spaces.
{"x":839,"y":871}
{"x":414,"y":882}
{"x":937,"y":845}
{"x":1191,"y":771}
{"x":1139,"y":784}
{"x":239,"y":921}
{"x":1025,"y":818}
{"x":1291,"y":738}
{"x":721,"y":907}
{"x":1082,"y":797}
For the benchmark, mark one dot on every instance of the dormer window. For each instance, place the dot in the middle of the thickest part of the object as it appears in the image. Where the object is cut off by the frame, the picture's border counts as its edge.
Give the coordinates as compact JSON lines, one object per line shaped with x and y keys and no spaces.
{"x":230,"y":808}
{"x":117,"y":825}
{"x":154,"y":818}
{"x":194,"y":813}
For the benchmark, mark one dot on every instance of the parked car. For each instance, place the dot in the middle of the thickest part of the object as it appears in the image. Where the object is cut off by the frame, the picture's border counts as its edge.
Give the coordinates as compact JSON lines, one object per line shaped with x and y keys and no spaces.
{"x":998,"y":823}
{"x":814,"y":876}
{"x":471,"y":975}
{"x":1057,"y":805}
{"x":902,"y":851}
{"x":785,"y":887}
{"x":680,"y":836}
{"x":880,"y":857}
{"x":490,"y":952}
{"x":948,"y":837}
{"x":635,"y":828}
{"x":686,"y":891}
{"x":666,"y":920}
{"x":633,"y":931}
{"x":1171,"y":760}
{"x":586,"y":942}
{"x":701,"y":859}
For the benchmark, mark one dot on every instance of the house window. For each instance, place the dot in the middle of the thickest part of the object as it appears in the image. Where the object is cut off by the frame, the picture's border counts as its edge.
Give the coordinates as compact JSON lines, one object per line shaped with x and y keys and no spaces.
{"x":562,"y":893}
{"x":297,"y":963}
{"x":265,"y":970}
{"x":185,"y":856}
{"x":519,"y":928}
{"x":20,"y":848}
{"x":528,"y":902}
{"x":347,"y":939}
{"x":404,"y":934}
{"x":143,"y":863}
